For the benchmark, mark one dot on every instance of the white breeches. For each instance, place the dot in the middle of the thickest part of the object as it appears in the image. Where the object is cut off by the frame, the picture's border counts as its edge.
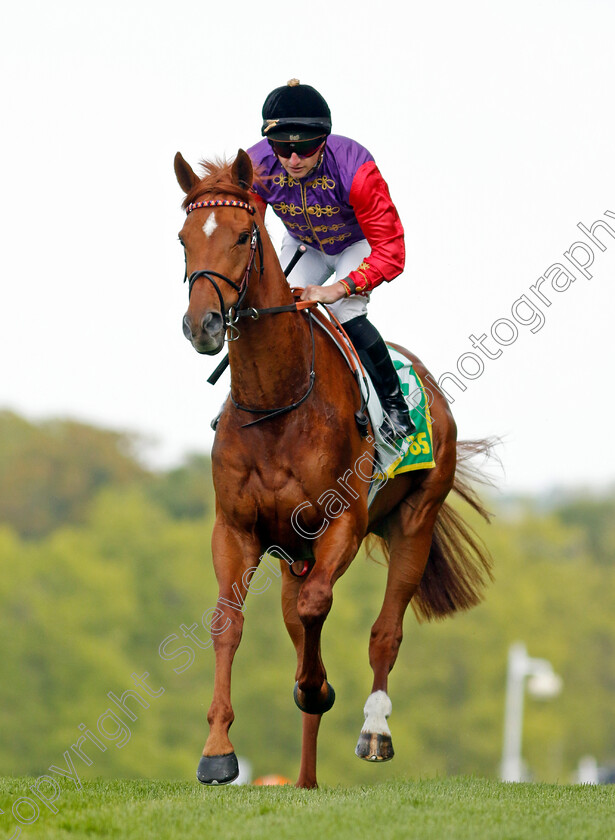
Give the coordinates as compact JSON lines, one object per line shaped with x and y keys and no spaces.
{"x":316,"y":267}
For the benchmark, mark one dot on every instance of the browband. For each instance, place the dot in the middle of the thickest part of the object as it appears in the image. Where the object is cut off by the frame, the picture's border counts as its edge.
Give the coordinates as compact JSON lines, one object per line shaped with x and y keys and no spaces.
{"x":220,"y":202}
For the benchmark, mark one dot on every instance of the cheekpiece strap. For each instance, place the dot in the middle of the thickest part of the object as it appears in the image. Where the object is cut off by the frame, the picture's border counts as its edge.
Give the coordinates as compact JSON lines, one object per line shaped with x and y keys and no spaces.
{"x":220,"y":202}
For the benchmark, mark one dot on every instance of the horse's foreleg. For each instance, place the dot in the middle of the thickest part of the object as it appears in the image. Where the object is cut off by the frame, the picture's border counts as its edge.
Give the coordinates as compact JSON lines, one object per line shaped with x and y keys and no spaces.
{"x":410,"y":534}
{"x":310,"y":723}
{"x":234,"y":555}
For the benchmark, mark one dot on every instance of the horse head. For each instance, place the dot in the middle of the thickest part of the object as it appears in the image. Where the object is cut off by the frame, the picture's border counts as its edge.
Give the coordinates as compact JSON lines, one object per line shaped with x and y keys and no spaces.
{"x":220,"y":239}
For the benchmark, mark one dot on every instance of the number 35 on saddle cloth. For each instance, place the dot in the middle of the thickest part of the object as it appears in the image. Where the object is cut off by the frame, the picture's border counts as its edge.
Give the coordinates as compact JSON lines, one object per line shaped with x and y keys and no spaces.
{"x":392,"y":457}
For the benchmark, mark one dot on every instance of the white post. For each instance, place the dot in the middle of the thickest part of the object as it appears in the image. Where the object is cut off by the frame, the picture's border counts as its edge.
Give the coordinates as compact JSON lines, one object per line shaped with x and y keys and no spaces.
{"x":544,"y":683}
{"x":512,"y":764}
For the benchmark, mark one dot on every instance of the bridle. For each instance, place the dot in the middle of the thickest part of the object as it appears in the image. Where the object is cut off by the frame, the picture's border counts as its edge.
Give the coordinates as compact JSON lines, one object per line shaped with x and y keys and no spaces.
{"x":230,"y":316}
{"x":234,"y":312}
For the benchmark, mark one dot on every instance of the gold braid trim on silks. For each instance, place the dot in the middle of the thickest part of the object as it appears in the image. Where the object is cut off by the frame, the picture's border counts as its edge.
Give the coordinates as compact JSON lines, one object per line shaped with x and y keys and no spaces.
{"x":331,"y":239}
{"x":318,"y":210}
{"x":363,"y":287}
{"x":283,"y":180}
{"x":295,"y":210}
{"x":325,"y":228}
{"x":288,"y":209}
{"x":323,"y":182}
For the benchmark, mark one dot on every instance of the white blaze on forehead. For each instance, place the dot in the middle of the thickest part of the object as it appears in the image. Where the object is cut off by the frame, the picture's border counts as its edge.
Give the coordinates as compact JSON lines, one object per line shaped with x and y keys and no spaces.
{"x":377,"y":709}
{"x":211,"y":224}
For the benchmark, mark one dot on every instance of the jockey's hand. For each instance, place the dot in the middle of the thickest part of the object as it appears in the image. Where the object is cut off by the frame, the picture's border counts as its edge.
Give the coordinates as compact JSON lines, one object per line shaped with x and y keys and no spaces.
{"x":324,"y":294}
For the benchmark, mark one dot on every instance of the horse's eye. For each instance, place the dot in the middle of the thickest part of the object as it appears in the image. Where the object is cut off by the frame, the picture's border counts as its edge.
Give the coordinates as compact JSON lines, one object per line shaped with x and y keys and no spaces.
{"x":243,"y":238}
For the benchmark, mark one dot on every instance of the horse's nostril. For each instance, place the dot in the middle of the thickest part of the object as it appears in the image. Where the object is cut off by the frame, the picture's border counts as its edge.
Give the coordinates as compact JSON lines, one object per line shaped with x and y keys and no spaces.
{"x":186,"y":328}
{"x":212,"y":323}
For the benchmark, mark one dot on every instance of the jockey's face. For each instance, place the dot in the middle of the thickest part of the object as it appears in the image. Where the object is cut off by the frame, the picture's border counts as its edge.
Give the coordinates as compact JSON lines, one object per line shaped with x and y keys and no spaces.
{"x":299,"y":167}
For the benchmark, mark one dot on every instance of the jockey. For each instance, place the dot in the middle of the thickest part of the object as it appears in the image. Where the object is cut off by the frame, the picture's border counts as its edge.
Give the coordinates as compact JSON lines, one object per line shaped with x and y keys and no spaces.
{"x":330,"y":195}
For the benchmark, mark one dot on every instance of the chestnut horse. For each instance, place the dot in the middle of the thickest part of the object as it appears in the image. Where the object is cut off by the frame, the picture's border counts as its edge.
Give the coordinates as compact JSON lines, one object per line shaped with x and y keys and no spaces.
{"x":286,"y":436}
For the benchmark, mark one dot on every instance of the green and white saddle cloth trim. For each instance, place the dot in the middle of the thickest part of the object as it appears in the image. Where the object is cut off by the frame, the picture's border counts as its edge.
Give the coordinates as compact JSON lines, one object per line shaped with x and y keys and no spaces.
{"x":405,"y":454}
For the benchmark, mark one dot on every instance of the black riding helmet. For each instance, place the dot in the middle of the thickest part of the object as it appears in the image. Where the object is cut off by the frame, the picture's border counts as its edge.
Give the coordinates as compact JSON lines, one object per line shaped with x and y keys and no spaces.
{"x":295,"y":112}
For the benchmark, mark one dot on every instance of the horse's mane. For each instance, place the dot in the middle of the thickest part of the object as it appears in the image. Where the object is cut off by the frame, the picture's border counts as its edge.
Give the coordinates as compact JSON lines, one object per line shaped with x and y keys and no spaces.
{"x":217,"y":180}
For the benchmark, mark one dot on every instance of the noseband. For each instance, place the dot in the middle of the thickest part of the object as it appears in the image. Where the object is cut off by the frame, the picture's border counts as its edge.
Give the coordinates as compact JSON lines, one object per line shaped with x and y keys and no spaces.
{"x":241,"y":288}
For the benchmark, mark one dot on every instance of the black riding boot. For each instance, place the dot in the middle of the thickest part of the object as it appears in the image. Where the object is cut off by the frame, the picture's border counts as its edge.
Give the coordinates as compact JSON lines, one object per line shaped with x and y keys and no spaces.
{"x":376,"y":360}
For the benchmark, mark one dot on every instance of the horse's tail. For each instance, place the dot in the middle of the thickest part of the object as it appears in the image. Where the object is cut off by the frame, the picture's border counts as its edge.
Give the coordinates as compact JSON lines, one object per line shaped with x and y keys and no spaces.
{"x":459,"y":565}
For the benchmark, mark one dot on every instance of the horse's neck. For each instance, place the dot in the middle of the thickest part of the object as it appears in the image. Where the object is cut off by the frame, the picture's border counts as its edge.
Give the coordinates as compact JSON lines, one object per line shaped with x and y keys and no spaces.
{"x":271,"y":360}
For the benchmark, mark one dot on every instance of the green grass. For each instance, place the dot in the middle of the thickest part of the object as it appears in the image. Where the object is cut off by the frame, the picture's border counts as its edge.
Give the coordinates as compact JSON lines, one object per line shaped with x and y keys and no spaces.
{"x":430,"y":810}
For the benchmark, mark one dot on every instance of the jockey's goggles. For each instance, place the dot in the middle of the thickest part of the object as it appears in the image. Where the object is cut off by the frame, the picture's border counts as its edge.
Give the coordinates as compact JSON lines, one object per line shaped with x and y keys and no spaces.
{"x":303,"y":148}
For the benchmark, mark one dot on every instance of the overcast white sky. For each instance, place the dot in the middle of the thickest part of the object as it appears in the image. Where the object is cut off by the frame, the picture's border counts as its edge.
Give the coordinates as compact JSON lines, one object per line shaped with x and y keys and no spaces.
{"x":492,"y":123}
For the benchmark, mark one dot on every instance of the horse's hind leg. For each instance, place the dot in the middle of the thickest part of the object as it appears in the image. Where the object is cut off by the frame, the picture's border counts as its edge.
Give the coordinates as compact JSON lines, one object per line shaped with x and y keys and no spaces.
{"x":410,"y":533}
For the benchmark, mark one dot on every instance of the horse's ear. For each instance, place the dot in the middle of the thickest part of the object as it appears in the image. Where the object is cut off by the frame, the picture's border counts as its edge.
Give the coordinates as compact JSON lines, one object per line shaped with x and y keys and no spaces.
{"x":186,"y":178}
{"x":242,"y":172}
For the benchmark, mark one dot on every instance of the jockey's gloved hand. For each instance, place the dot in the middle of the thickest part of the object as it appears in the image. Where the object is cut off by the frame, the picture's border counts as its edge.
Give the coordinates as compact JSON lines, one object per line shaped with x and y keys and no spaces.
{"x":324,"y":294}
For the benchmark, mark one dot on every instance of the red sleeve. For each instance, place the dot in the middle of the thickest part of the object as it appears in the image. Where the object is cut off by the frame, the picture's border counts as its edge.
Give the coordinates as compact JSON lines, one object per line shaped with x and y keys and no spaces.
{"x":380,"y":222}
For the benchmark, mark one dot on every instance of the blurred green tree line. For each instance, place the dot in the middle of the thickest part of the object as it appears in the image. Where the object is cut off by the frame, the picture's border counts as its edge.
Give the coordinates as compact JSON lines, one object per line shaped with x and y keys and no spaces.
{"x":102,"y":560}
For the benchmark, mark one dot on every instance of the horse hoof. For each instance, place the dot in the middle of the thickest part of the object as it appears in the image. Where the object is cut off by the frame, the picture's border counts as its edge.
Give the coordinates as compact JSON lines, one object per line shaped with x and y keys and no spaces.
{"x":314,"y":705}
{"x":373,"y":746}
{"x":217,"y":769}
